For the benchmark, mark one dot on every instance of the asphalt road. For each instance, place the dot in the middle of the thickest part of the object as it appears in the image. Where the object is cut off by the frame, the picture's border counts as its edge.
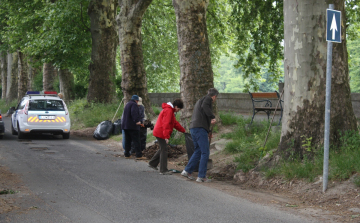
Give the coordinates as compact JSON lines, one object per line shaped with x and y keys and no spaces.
{"x":77,"y":180}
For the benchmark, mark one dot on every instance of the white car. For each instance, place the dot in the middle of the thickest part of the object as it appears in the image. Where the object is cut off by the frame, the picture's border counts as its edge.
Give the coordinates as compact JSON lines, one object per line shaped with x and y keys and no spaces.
{"x":41,"y":113}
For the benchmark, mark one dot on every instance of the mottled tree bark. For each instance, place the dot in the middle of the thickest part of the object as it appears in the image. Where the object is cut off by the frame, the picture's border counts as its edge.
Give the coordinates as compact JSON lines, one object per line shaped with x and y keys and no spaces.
{"x":194,"y":52}
{"x":49,"y":74}
{"x":22,"y":75}
{"x":132,"y":62}
{"x":12,"y":74}
{"x":305,"y":77}
{"x":104,"y":42}
{"x":66,"y":84}
{"x":3,"y":65}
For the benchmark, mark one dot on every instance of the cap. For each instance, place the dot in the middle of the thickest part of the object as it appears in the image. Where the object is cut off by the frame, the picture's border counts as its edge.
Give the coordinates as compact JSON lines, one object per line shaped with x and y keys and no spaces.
{"x":135,"y":97}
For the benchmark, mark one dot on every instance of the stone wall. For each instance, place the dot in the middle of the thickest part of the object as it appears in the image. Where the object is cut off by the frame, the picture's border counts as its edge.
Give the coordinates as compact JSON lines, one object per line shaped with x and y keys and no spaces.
{"x":236,"y":102}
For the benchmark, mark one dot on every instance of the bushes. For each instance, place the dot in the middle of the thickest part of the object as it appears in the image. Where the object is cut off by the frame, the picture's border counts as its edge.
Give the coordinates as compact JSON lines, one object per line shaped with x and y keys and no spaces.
{"x":248,"y":142}
{"x":344,"y":161}
{"x":84,"y":114}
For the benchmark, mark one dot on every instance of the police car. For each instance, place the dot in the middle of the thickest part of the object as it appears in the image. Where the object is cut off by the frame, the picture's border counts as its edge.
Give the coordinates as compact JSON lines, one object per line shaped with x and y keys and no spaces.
{"x":41,"y":113}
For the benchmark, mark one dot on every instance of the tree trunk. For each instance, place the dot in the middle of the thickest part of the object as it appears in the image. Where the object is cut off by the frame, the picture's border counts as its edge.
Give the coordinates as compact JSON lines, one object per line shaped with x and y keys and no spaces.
{"x":12,"y":74}
{"x":132,"y":62}
{"x":305,"y":77}
{"x":49,"y":74}
{"x":66,"y":84}
{"x":32,"y":71}
{"x":196,"y":76}
{"x":22,"y":75}
{"x":3,"y":65}
{"x":104,"y":42}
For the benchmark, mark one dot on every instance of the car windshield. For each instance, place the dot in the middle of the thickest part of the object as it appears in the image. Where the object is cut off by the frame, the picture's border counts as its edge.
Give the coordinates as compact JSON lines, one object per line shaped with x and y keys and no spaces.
{"x":48,"y":105}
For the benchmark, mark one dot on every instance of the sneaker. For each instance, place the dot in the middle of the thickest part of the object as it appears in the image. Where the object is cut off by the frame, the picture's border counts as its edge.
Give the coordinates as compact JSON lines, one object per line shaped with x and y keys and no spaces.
{"x":166,"y":173}
{"x":153,"y":167}
{"x":203,"y":180}
{"x":127,"y":157}
{"x":141,"y":158}
{"x":188,"y":175}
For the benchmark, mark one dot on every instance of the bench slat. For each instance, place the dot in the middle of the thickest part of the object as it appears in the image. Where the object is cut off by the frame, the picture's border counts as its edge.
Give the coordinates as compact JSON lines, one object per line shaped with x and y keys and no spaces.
{"x":264,"y":95}
{"x":267,"y":108}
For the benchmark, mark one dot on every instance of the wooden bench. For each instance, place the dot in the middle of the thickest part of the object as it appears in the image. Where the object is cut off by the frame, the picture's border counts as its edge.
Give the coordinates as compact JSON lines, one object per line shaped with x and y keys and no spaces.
{"x":261,"y":102}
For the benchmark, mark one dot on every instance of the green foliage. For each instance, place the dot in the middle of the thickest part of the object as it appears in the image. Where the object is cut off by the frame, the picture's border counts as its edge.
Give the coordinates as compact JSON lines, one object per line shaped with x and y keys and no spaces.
{"x":7,"y":192}
{"x":248,"y":142}
{"x":160,"y":44}
{"x":48,"y":32}
{"x":84,"y":114}
{"x":354,"y":64}
{"x":150,"y":138}
{"x":302,"y":169}
{"x":259,"y":29}
{"x":4,"y":107}
{"x":344,"y":161}
{"x":177,"y":138}
{"x":307,"y":143}
{"x":228,"y":118}
{"x":156,"y":110}
{"x":161,"y":58}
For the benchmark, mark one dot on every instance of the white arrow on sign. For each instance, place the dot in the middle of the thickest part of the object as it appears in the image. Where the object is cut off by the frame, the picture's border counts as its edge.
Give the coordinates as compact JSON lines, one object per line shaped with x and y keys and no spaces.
{"x":333,"y":27}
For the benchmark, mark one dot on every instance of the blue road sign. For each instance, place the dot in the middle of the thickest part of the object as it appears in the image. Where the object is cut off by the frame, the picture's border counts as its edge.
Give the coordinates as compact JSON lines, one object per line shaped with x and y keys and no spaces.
{"x":333,"y":27}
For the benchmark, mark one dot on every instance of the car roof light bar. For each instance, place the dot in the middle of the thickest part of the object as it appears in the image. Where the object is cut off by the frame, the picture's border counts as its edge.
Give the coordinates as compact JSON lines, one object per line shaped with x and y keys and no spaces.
{"x":33,"y":92}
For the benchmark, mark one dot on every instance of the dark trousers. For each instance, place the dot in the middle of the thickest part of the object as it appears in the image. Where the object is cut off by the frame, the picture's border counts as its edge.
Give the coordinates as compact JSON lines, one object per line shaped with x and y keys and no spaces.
{"x":143,"y":135}
{"x":132,"y":136}
{"x":160,"y":156}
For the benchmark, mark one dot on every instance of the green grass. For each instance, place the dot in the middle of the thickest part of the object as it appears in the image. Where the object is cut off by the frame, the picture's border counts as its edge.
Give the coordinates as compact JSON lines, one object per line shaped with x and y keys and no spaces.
{"x":4,"y":107}
{"x":344,"y":161}
{"x":228,"y":118}
{"x":156,"y":110}
{"x":177,"y":138}
{"x":84,"y":114}
{"x":150,"y":138}
{"x":248,"y":142}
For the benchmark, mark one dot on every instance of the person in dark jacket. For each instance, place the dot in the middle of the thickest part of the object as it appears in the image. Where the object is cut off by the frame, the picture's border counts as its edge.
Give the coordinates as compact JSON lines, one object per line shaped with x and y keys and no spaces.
{"x":199,"y":128}
{"x":164,"y":126}
{"x":131,"y":125}
{"x":143,"y":129}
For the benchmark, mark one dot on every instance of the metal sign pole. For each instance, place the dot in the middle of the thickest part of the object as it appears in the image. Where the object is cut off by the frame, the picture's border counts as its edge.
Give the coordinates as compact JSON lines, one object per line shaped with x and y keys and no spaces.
{"x":327,"y":112}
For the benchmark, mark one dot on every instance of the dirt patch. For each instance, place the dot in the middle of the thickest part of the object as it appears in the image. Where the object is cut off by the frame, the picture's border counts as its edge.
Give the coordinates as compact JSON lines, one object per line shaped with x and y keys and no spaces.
{"x":173,"y":151}
{"x":86,"y":132}
{"x":9,"y":186}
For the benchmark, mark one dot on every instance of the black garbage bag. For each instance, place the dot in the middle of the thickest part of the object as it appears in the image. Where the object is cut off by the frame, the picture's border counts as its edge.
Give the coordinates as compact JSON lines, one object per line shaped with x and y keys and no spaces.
{"x":117,"y":127}
{"x":103,"y":130}
{"x":190,"y":148}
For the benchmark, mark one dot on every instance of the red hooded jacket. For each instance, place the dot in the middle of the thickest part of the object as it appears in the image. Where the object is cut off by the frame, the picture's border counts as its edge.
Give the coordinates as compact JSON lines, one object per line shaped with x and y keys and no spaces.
{"x":166,"y":122}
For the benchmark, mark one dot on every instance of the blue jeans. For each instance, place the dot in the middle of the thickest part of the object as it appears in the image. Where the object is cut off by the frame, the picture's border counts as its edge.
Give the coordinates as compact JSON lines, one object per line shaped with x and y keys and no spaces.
{"x":201,"y":152}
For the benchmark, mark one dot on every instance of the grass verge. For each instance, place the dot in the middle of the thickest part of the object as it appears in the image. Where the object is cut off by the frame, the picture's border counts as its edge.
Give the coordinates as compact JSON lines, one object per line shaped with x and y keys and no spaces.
{"x":84,"y":114}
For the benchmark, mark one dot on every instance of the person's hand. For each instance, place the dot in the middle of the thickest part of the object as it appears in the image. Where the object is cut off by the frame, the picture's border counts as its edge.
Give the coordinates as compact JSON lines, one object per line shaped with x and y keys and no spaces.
{"x":138,"y":123}
{"x":213,"y":121}
{"x":167,"y":141}
{"x":142,"y":125}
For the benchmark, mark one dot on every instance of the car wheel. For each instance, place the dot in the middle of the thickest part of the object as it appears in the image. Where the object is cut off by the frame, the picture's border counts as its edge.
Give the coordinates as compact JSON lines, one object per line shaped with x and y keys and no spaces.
{"x":13,"y":132}
{"x":66,"y":135}
{"x":1,"y":136}
{"x":20,"y":134}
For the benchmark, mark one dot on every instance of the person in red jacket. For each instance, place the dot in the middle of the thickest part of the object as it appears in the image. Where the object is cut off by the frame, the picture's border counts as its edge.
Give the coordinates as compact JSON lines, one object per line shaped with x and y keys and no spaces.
{"x":164,"y":126}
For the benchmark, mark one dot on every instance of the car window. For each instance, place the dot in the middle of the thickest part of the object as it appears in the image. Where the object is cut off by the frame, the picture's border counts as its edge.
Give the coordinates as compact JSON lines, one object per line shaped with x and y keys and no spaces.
{"x":21,"y":105}
{"x":47,"y":105}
